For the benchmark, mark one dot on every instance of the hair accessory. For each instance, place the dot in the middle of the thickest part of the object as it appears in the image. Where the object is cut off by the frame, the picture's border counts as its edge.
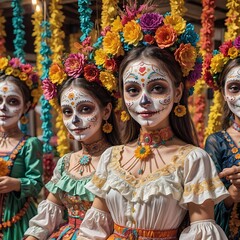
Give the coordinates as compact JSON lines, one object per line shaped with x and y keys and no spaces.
{"x":136,"y":27}
{"x":25,"y":72}
{"x":107,"y":127}
{"x":218,"y":59}
{"x":180,"y":110}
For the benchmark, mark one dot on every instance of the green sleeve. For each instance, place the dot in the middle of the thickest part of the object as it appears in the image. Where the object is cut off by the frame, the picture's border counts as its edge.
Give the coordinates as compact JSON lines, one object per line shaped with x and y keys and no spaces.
{"x":31,"y":182}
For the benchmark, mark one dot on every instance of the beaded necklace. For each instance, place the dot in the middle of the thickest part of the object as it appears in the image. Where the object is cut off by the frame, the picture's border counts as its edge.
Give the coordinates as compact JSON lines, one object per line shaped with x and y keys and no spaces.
{"x":5,"y":170}
{"x":147,"y":143}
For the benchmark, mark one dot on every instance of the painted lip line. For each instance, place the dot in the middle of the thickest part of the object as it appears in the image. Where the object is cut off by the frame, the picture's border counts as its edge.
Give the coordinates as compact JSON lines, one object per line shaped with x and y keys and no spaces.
{"x":79,"y":130}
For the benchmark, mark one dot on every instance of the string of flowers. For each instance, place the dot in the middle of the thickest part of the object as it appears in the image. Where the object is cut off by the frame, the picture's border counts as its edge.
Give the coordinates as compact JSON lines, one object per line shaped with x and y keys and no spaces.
{"x":177,"y":7}
{"x":85,"y":12}
{"x":45,"y":51}
{"x":73,"y":38}
{"x":109,"y":12}
{"x":2,"y":34}
{"x":232,"y":21}
{"x":37,"y":18}
{"x":206,"y":46}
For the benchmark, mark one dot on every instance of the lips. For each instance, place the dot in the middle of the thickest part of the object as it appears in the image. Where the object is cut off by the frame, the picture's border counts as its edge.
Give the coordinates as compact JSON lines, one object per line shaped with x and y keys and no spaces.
{"x":79,"y":130}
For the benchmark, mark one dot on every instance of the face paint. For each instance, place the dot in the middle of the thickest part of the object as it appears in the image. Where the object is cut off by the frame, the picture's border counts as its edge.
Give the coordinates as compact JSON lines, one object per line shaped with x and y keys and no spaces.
{"x":82,"y":115}
{"x":11,"y":104}
{"x":148,"y":93}
{"x":232,"y":90}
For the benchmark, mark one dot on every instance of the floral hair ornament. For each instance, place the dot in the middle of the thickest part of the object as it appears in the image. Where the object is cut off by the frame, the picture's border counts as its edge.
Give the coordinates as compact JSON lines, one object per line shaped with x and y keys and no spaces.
{"x":216,"y":61}
{"x":25,"y":72}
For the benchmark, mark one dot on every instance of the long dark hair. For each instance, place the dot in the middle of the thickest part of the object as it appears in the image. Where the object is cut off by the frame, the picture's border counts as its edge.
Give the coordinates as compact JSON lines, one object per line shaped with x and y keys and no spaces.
{"x":104,"y":98}
{"x":227,"y":114}
{"x":182,"y":127}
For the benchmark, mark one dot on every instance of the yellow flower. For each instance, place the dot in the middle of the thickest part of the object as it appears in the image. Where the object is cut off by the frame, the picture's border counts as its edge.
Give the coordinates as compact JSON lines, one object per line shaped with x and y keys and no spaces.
{"x":108,"y":81}
{"x":107,"y":127}
{"x":100,"y":57}
{"x":23,"y":76}
{"x":112,"y":44}
{"x":233,"y":52}
{"x":177,"y":22}
{"x":180,"y":111}
{"x":124,"y":116}
{"x":15,"y":72}
{"x":57,"y":74}
{"x":117,"y":25}
{"x":217,"y":63}
{"x":3,"y":63}
{"x":9,"y":71}
{"x":142,"y":152}
{"x":132,"y":33}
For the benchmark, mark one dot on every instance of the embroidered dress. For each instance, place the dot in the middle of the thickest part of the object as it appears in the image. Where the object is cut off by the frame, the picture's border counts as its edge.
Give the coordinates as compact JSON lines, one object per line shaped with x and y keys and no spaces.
{"x":27,"y":167}
{"x":50,"y":223}
{"x":158,"y":202}
{"x":218,"y":147}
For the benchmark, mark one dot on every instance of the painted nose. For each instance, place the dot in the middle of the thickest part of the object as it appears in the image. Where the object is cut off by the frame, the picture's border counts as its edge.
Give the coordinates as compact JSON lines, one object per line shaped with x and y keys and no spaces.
{"x":144,"y":102}
{"x":3,"y":107}
{"x":75,"y":119}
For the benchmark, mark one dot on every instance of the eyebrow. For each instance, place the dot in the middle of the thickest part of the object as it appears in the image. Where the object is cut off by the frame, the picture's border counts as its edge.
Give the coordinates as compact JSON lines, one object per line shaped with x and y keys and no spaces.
{"x":157,"y":79}
{"x":151,"y":73}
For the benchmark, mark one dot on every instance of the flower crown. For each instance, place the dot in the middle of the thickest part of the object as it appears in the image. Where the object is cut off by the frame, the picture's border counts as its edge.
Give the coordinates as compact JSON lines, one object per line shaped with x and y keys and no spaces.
{"x":134,"y":28}
{"x":76,"y":65}
{"x":25,"y":72}
{"x":215,"y":62}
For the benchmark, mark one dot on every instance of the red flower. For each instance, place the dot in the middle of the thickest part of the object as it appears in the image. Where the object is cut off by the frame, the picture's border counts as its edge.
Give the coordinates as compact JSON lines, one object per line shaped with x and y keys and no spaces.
{"x":91,"y":72}
{"x":110,"y":64}
{"x":149,"y":39}
{"x":224,"y":47}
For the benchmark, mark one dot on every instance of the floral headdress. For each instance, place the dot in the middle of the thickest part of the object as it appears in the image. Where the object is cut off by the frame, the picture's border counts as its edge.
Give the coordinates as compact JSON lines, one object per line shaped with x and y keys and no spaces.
{"x":24,"y":72}
{"x":76,"y":65}
{"x":216,"y":61}
{"x":135,"y":27}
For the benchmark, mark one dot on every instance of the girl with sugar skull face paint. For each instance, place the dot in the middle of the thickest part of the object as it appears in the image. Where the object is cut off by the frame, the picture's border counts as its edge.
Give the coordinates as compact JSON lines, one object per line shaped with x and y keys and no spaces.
{"x":86,"y":107}
{"x":224,"y":146}
{"x":20,"y":155}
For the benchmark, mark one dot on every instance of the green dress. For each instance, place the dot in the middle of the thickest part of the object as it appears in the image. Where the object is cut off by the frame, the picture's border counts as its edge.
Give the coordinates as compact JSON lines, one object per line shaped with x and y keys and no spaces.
{"x":27,"y":167}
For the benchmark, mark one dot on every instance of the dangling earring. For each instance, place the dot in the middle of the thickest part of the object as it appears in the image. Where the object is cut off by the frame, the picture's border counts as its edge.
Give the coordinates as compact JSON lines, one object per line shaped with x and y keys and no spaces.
{"x":125,"y":116}
{"x":24,"y":119}
{"x":107,"y":127}
{"x":180,"y":110}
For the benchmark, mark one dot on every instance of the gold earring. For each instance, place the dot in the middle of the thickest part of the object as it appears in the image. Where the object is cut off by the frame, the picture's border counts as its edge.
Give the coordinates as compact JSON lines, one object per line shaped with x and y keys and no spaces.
{"x":180,"y":110}
{"x":24,"y":119}
{"x":107,"y":127}
{"x":124,"y":116}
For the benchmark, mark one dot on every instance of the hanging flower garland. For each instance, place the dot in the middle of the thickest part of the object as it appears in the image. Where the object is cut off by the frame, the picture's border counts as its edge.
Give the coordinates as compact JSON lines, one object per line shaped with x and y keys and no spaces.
{"x":56,"y":43}
{"x":37,"y":18}
{"x":2,"y":34}
{"x":177,"y":7}
{"x":233,"y":20}
{"x":109,"y":12}
{"x":18,"y":29}
{"x":85,"y":12}
{"x":73,"y":38}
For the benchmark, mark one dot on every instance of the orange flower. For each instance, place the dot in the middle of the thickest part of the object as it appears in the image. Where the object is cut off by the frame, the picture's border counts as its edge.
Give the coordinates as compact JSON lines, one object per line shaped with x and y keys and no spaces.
{"x":165,"y":36}
{"x":110,"y":64}
{"x":57,"y":74}
{"x":142,"y":152}
{"x":237,"y":156}
{"x":234,"y":150}
{"x":91,"y":72}
{"x":180,"y":110}
{"x":186,"y":56}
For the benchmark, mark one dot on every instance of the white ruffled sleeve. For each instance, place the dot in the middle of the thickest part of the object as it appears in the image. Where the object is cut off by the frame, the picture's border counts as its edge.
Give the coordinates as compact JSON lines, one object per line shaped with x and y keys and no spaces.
{"x":203,"y":230}
{"x":97,"y":225}
{"x":49,"y":217}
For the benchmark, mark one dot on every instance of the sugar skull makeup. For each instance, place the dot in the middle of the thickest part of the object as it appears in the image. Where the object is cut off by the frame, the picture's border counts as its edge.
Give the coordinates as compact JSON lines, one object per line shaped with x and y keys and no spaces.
{"x":11,"y":104}
{"x":232,"y":90}
{"x":81,"y":113}
{"x":148,"y":93}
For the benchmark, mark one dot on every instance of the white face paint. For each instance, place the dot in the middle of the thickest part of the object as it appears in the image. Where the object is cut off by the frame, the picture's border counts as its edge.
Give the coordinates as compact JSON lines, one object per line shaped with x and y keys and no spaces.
{"x":11,"y":104}
{"x":148,"y":93}
{"x":82,"y":114}
{"x":232,"y":90}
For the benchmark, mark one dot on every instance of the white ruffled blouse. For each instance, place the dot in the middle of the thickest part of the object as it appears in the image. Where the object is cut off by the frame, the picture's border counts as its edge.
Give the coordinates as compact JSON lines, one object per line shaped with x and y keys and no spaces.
{"x":159,"y":201}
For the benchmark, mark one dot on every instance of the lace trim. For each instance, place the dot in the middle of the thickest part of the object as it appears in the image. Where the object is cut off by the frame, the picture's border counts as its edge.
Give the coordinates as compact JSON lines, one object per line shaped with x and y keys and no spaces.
{"x":97,"y":181}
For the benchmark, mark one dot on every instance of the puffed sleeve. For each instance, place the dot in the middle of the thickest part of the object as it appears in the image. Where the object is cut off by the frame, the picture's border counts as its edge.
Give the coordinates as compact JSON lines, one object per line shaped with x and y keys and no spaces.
{"x":201,"y":181}
{"x":31,"y":183}
{"x":49,"y":217}
{"x":203,"y":230}
{"x":97,"y":225}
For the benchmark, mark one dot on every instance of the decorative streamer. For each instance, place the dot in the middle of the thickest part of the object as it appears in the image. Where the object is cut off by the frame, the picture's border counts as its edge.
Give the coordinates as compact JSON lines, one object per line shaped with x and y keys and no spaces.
{"x":56,"y":43}
{"x":2,"y":34}
{"x":109,"y":12}
{"x":177,"y":7}
{"x":85,"y":12}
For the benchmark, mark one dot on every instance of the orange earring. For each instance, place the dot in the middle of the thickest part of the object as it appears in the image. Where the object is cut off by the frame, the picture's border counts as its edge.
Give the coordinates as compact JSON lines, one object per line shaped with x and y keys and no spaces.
{"x":107,"y":127}
{"x":180,"y":110}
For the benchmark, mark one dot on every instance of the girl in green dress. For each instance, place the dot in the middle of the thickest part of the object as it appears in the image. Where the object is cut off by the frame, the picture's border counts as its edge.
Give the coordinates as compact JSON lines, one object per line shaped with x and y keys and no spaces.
{"x":87,"y":111}
{"x":20,"y":155}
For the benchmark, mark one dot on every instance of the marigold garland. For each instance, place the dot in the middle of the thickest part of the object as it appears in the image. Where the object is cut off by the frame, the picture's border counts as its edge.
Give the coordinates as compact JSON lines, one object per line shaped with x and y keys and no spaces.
{"x":109,"y":12}
{"x":2,"y":34}
{"x":177,"y":7}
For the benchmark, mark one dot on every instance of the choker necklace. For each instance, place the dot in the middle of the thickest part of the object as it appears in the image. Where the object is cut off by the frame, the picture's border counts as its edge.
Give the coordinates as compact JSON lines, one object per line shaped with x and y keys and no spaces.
{"x":236,"y":126}
{"x":147,"y":143}
{"x":88,"y":150}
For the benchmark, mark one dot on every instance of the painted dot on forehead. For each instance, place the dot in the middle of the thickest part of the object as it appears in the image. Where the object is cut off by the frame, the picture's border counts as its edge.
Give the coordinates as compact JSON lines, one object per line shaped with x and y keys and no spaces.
{"x":4,"y":89}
